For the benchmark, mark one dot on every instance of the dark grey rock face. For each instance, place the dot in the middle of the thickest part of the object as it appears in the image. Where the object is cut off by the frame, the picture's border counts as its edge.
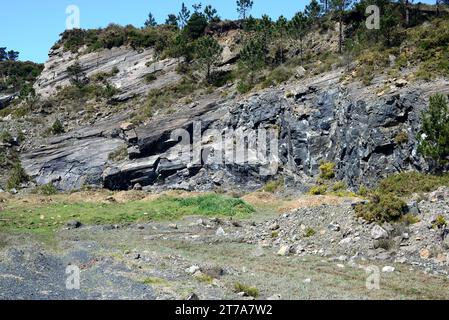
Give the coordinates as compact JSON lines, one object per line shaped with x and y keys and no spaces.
{"x":314,"y":124}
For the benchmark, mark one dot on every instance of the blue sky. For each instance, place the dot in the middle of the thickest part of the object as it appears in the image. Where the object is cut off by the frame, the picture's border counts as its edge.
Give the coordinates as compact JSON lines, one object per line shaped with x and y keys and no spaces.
{"x":33,"y":26}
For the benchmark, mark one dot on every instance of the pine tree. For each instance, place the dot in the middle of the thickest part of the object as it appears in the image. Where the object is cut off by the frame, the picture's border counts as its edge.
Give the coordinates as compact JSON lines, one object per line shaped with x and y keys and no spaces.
{"x":13,"y":55}
{"x":281,"y":32}
{"x":196,"y":25}
{"x":434,"y":140}
{"x":211,"y":14}
{"x":3,"y":54}
{"x":171,"y":20}
{"x":183,"y":16}
{"x":151,"y":21}
{"x":197,"y":7}
{"x":339,"y":7}
{"x":208,"y":53}
{"x":252,"y":57}
{"x":265,"y":31}
{"x":243,"y":7}
{"x":312,"y":11}
{"x":298,"y":29}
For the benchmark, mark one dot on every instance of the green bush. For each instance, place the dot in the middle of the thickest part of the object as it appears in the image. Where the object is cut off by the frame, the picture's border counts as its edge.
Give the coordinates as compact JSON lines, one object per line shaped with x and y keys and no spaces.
{"x":434,"y":139}
{"x":382,"y":208}
{"x":274,"y":185}
{"x":407,"y":183}
{"x":17,"y":176}
{"x":46,"y":190}
{"x":249,"y":291}
{"x":318,"y":190}
{"x":57,"y":127}
{"x":327,"y":170}
{"x":150,"y":77}
{"x":6,"y":137}
{"x":440,"y":222}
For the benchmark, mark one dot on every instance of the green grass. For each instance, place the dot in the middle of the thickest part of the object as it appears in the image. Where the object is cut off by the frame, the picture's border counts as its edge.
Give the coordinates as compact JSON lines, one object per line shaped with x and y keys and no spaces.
{"x":51,"y":217}
{"x":249,"y":291}
{"x":406,"y":183}
{"x":153,"y":281}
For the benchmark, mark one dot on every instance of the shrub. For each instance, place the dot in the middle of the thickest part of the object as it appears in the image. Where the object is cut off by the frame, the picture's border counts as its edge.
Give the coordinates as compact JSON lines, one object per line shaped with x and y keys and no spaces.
{"x":309,"y":232}
{"x":339,"y":186}
{"x":46,"y":190}
{"x":273,"y":186}
{"x":243,"y":87}
{"x":17,"y":176}
{"x":249,"y":291}
{"x":318,"y":190}
{"x":434,"y":139}
{"x":6,"y":137}
{"x":57,"y":127}
{"x":363,"y":191}
{"x":382,"y":208}
{"x":401,"y":138}
{"x":150,"y":77}
{"x":440,"y":222}
{"x":409,"y":219}
{"x":327,"y":170}
{"x":406,"y":183}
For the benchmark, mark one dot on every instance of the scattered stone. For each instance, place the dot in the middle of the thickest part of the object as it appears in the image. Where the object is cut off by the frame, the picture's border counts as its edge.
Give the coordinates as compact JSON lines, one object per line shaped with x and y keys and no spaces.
{"x":275,"y":297}
{"x":193,"y":297}
{"x":378,"y":233}
{"x":284,"y":250}
{"x":424,"y":253}
{"x":74,"y":224}
{"x":173,"y":226}
{"x":388,"y":269}
{"x":137,"y":187}
{"x":220,"y":232}
{"x":192,"y":269}
{"x":334,"y":227}
{"x":274,"y":227}
{"x":401,"y":83}
{"x":126,"y":126}
{"x":412,"y":208}
{"x":308,"y":280}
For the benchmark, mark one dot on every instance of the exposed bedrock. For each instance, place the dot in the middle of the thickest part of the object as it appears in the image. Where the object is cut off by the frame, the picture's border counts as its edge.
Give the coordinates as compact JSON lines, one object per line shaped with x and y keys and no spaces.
{"x":313,"y":124}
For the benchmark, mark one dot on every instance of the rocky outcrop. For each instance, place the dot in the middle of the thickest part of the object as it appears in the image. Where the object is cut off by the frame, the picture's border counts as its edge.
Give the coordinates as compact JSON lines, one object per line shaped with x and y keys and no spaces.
{"x":313,"y":124}
{"x":132,"y":67}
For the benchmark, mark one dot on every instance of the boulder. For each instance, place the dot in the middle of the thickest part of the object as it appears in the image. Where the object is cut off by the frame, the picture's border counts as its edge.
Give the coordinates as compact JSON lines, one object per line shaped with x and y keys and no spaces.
{"x":377,"y":232}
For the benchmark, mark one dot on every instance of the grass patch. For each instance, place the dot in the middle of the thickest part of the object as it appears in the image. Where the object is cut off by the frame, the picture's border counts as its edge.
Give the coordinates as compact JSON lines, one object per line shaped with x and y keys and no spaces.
{"x":154,"y":281}
{"x":309,"y":232}
{"x":381,"y":208}
{"x":249,"y":291}
{"x":119,"y":154}
{"x":52,"y":216}
{"x":274,"y":185}
{"x":46,"y":190}
{"x":318,"y":190}
{"x":407,"y":183}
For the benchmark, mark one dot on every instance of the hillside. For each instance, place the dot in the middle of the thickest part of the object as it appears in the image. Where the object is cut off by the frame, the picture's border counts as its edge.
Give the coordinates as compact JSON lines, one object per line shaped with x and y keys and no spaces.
{"x":302,"y":138}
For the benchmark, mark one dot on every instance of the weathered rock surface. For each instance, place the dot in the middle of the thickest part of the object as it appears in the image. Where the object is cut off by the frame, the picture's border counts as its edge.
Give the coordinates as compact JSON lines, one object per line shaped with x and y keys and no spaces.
{"x":315,"y":123}
{"x":132,"y":67}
